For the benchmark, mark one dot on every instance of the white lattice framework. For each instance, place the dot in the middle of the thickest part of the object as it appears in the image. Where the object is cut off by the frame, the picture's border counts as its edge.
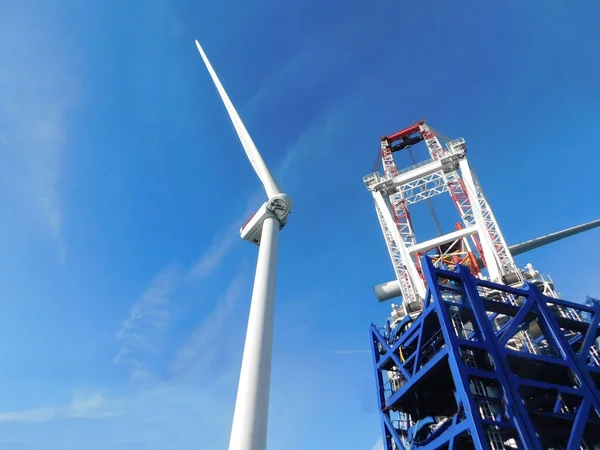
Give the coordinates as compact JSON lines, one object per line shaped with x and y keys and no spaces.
{"x":472,"y":205}
{"x":398,"y":251}
{"x":397,"y":228}
{"x":491,"y":224}
{"x":447,"y":170}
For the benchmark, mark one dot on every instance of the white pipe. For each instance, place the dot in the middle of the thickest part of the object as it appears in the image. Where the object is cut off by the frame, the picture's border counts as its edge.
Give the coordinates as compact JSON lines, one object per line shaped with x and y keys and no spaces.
{"x":250,"y":419}
{"x":387,"y":291}
{"x":261,"y":169}
{"x":490,"y":253}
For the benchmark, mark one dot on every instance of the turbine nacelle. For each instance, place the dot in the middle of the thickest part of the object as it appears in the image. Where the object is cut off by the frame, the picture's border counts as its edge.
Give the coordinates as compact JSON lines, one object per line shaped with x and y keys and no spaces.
{"x":278,"y":207}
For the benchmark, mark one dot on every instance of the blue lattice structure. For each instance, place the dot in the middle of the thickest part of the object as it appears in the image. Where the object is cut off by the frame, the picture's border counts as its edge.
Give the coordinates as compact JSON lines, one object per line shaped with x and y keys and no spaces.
{"x":488,"y":366}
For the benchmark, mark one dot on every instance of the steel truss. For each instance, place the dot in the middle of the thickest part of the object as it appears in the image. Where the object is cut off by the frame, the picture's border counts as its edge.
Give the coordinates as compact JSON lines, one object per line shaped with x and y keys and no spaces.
{"x":482,"y":248}
{"x":473,"y":206}
{"x":486,"y":366}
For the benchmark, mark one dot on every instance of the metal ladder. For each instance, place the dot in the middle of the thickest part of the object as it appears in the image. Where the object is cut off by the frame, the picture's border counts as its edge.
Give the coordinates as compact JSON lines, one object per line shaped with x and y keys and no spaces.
{"x":485,"y":409}
{"x":495,"y":439}
{"x":527,"y":342}
{"x":457,"y":323}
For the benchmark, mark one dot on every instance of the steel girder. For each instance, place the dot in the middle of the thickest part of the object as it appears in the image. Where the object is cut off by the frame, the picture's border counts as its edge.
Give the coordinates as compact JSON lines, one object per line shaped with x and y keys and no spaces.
{"x":487,"y":366}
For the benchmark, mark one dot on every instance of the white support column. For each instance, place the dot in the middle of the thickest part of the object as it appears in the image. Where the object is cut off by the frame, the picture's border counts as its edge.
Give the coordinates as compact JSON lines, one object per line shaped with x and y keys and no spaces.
{"x":407,"y":261}
{"x":492,"y":261}
{"x":250,"y":419}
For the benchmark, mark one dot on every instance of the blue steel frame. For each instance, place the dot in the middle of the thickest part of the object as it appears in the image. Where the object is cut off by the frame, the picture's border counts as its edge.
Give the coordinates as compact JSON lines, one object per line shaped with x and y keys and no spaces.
{"x":546,"y":399}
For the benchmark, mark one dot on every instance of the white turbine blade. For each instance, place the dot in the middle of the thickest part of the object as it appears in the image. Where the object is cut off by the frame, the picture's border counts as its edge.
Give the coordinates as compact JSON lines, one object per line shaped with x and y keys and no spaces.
{"x":526,"y":246}
{"x":261,"y":169}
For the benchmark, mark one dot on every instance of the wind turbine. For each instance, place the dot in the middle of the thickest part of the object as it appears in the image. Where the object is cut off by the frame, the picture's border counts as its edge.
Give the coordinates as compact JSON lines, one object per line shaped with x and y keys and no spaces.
{"x":249,"y":429}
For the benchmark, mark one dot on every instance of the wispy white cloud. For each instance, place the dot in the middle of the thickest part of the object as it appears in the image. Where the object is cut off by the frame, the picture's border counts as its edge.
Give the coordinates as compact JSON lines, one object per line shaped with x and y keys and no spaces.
{"x":378,"y":445}
{"x":198,"y":349}
{"x":149,"y":317}
{"x":94,"y":406}
{"x":38,"y":90}
{"x":223,"y":242}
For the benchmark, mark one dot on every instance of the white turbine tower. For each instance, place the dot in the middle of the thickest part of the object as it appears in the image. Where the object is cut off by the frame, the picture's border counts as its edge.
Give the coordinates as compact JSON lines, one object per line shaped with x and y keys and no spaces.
{"x":249,"y":429}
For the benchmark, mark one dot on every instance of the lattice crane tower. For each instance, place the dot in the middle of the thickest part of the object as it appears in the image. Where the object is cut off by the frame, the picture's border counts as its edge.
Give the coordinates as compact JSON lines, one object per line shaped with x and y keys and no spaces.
{"x":480,"y":353}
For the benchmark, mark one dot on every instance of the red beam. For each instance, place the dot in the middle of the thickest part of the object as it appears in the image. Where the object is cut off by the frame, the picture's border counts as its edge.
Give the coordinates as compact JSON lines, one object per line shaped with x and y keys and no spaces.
{"x":406,"y":132}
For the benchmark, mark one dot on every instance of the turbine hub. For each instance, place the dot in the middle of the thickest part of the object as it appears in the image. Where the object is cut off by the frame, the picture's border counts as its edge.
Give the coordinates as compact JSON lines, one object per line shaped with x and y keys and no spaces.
{"x":280,"y":205}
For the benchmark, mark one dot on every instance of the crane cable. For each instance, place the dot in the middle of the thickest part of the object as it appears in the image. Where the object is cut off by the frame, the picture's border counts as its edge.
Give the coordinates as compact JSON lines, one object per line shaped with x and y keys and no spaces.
{"x":377,"y":164}
{"x":444,"y":138}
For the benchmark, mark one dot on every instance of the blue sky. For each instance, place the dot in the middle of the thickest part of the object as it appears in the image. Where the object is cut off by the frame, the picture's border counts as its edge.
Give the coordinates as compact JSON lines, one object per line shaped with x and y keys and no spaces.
{"x":123,"y":186}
